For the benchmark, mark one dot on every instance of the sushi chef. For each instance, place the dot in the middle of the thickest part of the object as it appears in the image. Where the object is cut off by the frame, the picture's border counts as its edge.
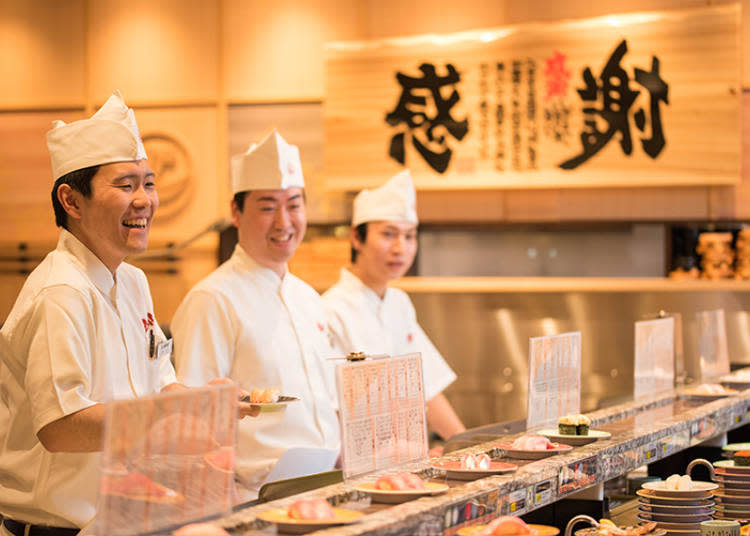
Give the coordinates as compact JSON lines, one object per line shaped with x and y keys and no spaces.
{"x":256,"y":323}
{"x":365,"y":315}
{"x":82,"y":331}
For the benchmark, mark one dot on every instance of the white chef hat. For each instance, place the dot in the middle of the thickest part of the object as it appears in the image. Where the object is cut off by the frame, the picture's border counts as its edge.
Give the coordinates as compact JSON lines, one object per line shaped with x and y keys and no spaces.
{"x":271,"y":164}
{"x":111,"y":135}
{"x":396,"y":200}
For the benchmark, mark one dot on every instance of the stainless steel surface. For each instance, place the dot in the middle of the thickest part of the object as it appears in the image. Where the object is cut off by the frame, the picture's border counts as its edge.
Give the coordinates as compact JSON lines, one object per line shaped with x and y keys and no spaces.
{"x":636,"y":250}
{"x":484,"y":337}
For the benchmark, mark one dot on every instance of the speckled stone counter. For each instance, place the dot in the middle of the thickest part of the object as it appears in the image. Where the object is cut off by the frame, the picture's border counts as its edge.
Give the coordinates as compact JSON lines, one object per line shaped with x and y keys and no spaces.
{"x":642,"y":432}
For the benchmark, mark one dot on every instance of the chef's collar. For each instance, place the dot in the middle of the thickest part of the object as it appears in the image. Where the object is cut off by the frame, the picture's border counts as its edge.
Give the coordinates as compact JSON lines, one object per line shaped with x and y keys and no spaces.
{"x":90,"y":263}
{"x":266,"y":274}
{"x":349,"y":279}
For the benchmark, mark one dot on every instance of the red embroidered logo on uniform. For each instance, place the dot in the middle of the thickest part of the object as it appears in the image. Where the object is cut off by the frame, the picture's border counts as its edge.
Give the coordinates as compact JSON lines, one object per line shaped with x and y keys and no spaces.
{"x":409,"y":337}
{"x":148,"y":322}
{"x":320,"y":326}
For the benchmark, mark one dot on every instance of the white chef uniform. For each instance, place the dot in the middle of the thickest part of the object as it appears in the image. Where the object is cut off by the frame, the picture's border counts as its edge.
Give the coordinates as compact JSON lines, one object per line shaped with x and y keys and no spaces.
{"x":360,"y":321}
{"x":76,"y":336}
{"x":246,"y":323}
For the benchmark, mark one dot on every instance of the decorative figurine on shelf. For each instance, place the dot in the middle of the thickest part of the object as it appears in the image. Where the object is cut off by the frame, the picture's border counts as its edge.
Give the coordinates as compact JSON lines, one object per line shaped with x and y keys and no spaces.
{"x":684,"y":268}
{"x":716,"y":254}
{"x":742,"y":252}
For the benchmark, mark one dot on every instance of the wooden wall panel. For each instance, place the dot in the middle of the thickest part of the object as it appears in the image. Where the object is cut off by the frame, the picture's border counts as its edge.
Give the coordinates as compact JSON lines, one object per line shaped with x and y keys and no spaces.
{"x":163,"y":51}
{"x":734,"y":203}
{"x":300,"y":124}
{"x":388,"y":18}
{"x":181,"y":145}
{"x":701,"y":126}
{"x":274,"y":50}
{"x":41,"y":51}
{"x":26,"y":177}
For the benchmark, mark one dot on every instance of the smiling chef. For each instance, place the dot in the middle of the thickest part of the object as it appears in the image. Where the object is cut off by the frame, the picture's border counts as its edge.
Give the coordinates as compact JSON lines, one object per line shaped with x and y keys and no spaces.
{"x":256,"y":323}
{"x":366,"y":315}
{"x":82,"y":331}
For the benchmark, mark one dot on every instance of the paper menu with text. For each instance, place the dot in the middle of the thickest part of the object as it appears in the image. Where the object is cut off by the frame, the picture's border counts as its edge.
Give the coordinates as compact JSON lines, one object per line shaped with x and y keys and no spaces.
{"x":168,"y":459}
{"x":382,"y":413}
{"x":653,"y":370}
{"x":554,"y":378}
{"x":713,"y":353}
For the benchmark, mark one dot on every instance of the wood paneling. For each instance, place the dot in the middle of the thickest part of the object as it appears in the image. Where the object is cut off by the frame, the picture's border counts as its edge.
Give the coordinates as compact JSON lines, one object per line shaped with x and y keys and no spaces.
{"x":41,"y":51}
{"x":26,"y":177}
{"x":734,"y":202}
{"x":302,"y":125}
{"x":274,"y":50}
{"x":163,"y":51}
{"x":182,"y":150}
{"x":506,"y":68}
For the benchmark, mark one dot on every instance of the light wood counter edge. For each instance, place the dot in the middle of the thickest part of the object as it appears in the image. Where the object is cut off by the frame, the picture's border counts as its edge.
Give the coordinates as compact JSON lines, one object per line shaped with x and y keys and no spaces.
{"x":564,"y":284}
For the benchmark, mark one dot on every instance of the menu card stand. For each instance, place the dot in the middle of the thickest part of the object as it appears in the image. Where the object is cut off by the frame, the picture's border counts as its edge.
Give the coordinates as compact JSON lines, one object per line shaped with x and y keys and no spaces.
{"x":713,"y":354}
{"x":554,"y":378}
{"x":382,"y":412}
{"x":653,"y":370}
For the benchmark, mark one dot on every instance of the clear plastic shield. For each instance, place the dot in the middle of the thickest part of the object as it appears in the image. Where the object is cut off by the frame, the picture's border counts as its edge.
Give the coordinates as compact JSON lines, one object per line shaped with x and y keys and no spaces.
{"x":382,"y":413}
{"x":168,"y":460}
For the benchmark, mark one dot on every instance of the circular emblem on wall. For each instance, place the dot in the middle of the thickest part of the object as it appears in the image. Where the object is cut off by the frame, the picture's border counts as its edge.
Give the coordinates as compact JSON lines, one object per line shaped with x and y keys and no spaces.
{"x":171,"y":163}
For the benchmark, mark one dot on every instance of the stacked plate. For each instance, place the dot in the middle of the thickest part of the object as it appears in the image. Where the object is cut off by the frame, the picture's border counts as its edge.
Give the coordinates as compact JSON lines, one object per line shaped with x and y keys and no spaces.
{"x":733,"y":494}
{"x":681,"y":512}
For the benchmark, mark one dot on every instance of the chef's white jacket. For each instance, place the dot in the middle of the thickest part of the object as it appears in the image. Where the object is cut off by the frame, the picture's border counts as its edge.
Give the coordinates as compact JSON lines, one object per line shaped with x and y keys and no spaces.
{"x":246,"y":323}
{"x":76,"y":336}
{"x":360,"y":321}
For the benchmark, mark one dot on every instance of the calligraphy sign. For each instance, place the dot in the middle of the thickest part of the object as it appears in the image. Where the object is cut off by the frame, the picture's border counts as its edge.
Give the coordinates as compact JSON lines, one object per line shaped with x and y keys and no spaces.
{"x":640,"y":99}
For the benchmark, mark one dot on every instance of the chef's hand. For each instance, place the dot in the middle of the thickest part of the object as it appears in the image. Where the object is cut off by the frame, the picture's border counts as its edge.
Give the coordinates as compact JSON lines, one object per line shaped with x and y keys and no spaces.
{"x":244,"y":409}
{"x":436,"y":451}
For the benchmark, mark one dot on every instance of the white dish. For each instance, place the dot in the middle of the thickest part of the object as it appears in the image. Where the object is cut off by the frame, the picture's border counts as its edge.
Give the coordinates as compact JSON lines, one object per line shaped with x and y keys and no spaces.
{"x":399,"y":496}
{"x":510,"y":452}
{"x":574,"y":439}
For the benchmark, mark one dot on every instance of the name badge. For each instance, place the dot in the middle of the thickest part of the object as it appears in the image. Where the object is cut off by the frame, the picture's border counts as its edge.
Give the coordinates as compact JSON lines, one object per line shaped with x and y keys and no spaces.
{"x":164,"y":349}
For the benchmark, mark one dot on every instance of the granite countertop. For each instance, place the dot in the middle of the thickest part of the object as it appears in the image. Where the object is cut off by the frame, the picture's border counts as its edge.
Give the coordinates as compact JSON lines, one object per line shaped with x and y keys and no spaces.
{"x":642,"y":431}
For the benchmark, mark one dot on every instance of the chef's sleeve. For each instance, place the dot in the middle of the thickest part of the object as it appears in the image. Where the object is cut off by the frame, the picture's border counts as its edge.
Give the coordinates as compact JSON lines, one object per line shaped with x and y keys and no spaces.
{"x":59,"y":370}
{"x":203,"y":330}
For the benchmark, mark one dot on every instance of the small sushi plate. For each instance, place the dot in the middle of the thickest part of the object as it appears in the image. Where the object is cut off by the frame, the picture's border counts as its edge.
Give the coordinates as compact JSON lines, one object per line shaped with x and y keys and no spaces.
{"x":699,"y":395}
{"x":574,"y":439}
{"x":454,"y":470}
{"x":738,"y":500}
{"x":733,"y":447}
{"x":653,"y":497}
{"x":521,"y":454}
{"x":668,"y":518}
{"x":675,"y":526}
{"x":728,"y":482}
{"x":733,"y":509}
{"x":728,"y":470}
{"x":700,"y":489}
{"x":290,"y":525}
{"x":389,"y":496}
{"x":705,"y":508}
{"x":742,"y":493}
{"x":280,"y":404}
{"x":536,"y":530}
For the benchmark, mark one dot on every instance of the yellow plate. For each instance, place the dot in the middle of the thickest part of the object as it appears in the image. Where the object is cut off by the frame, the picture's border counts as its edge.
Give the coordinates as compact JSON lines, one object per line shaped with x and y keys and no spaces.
{"x":536,"y":530}
{"x":399,"y":496}
{"x":301,"y":526}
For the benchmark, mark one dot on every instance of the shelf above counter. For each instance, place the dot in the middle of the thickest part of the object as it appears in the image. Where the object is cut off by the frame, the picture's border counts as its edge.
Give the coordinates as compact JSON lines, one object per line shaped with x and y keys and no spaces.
{"x":564,"y":284}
